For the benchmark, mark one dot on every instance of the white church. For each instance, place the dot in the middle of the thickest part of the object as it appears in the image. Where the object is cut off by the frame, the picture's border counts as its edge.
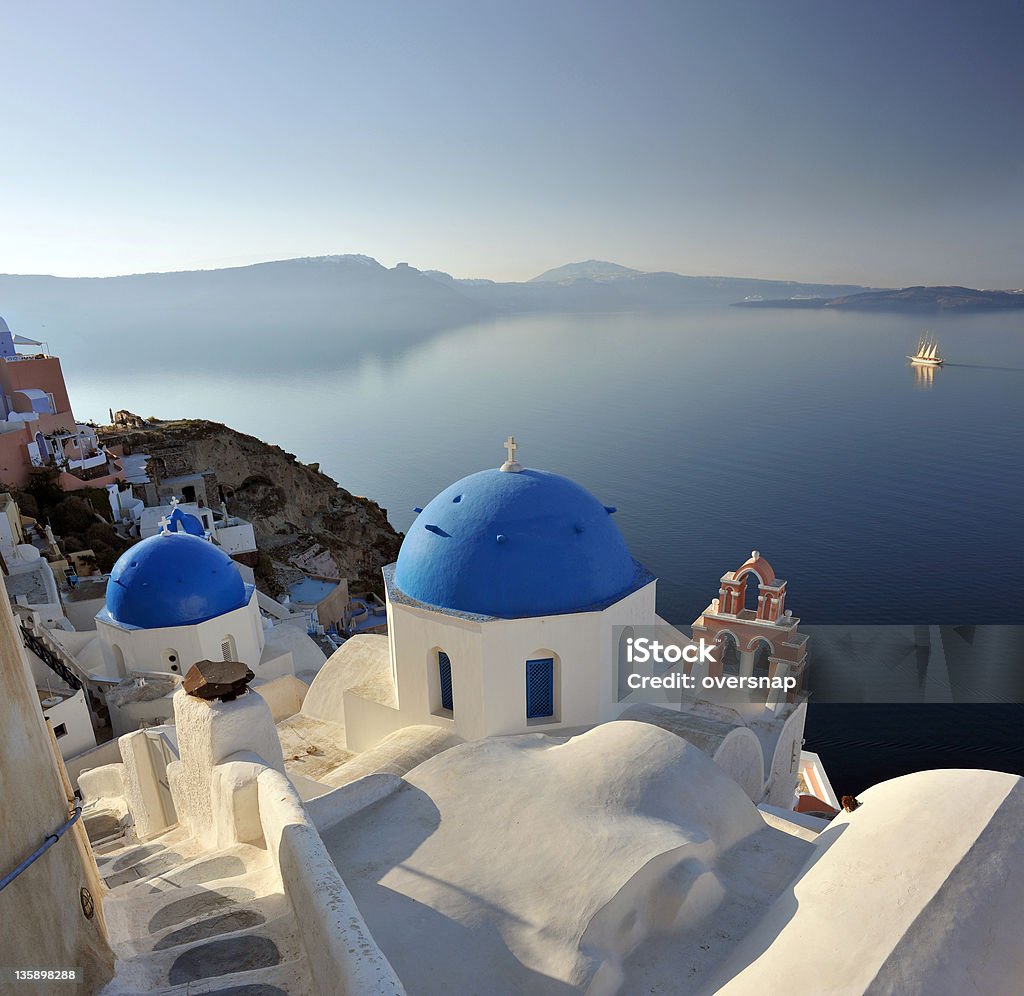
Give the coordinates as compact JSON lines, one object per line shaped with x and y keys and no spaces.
{"x":175,"y":599}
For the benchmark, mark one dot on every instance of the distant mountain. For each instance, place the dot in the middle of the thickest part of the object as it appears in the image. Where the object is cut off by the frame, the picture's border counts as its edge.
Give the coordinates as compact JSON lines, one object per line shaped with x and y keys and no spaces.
{"x":282,"y":315}
{"x":591,"y":269}
{"x":600,"y":286}
{"x":925,"y":300}
{"x":325,"y":312}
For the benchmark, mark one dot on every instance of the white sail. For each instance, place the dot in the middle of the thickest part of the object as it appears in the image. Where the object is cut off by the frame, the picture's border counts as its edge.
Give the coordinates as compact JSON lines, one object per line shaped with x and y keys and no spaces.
{"x":927,"y":353}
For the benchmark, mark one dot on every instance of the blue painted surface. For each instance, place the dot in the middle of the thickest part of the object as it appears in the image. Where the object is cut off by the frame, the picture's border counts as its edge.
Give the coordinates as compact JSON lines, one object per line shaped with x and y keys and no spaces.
{"x":559,"y":549}
{"x":310,"y":591}
{"x":185,"y":522}
{"x":173,"y":579}
{"x":540,"y":688}
{"x":444,"y":673}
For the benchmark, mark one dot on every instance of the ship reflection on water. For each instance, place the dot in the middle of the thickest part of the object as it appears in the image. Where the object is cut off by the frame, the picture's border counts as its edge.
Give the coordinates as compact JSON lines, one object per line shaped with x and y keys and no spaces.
{"x":924,"y":377}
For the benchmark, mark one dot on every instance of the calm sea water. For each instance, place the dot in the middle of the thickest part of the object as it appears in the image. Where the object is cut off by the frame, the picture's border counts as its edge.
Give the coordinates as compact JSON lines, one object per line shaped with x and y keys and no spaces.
{"x":880,"y":496}
{"x":805,"y":435}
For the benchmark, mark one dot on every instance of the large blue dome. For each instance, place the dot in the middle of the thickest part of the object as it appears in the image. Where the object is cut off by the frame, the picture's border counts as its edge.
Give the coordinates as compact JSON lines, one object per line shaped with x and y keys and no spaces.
{"x":514,"y":545}
{"x":173,"y":579}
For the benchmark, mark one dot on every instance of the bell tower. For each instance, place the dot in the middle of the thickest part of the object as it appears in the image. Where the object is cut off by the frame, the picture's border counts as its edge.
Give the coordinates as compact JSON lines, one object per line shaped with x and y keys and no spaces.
{"x":770,"y":627}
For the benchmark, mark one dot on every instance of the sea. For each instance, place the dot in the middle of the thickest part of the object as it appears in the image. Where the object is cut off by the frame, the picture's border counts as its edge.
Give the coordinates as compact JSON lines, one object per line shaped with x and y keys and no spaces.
{"x":883,"y":494}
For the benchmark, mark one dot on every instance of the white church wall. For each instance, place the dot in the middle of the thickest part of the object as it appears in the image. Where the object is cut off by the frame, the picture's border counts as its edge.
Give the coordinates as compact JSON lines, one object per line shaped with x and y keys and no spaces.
{"x":416,"y":635}
{"x":174,"y":649}
{"x":572,"y":641}
{"x":583,"y":648}
{"x":488,"y":663}
{"x":636,"y":610}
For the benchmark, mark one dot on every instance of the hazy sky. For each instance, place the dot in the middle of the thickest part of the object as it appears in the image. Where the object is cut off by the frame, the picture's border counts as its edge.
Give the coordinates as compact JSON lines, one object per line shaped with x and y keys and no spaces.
{"x":876,"y":142}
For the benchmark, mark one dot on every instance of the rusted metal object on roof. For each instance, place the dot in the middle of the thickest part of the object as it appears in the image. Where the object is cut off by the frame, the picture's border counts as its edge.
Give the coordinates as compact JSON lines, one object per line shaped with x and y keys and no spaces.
{"x":213,"y":680}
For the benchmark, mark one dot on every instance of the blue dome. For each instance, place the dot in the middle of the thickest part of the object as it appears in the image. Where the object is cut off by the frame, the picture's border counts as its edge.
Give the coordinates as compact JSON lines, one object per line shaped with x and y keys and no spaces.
{"x":514,"y":545}
{"x":185,"y":522}
{"x":173,"y":579}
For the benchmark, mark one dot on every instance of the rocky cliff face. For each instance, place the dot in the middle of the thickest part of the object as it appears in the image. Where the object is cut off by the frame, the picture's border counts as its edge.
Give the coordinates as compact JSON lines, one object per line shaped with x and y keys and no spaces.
{"x":299,"y":513}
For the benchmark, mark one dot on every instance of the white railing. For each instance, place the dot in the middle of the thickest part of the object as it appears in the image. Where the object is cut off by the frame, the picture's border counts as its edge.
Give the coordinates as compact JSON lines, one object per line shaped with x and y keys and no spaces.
{"x":88,"y":463}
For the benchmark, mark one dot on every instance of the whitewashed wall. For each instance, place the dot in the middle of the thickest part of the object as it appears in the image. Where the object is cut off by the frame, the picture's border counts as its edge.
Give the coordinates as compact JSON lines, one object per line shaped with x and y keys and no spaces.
{"x":150,"y":650}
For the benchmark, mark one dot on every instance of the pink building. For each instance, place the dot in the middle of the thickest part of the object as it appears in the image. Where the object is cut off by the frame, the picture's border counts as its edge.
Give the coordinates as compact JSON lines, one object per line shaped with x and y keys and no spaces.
{"x":37,"y":426}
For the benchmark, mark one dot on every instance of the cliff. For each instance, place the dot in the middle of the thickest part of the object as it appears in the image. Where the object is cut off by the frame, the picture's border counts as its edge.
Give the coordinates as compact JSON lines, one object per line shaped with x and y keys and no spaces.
{"x":296,"y":510}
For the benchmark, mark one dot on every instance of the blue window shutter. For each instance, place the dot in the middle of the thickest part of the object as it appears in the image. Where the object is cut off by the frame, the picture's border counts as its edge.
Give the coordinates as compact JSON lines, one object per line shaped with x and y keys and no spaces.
{"x":540,"y":688}
{"x":444,"y":670}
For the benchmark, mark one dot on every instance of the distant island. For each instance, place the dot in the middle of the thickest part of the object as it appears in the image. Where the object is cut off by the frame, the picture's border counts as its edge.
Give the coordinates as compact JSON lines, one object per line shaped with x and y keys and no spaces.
{"x":925,"y":300}
{"x":315,"y":312}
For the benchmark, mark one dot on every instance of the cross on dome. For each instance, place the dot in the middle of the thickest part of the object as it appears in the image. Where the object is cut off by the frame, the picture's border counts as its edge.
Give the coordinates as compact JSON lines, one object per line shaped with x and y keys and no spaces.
{"x":510,"y":466}
{"x":165,"y":526}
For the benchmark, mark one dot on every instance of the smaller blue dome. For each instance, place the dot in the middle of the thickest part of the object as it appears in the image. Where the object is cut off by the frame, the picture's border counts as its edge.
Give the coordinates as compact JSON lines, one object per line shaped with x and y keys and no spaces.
{"x":185,"y":522}
{"x":174,"y":579}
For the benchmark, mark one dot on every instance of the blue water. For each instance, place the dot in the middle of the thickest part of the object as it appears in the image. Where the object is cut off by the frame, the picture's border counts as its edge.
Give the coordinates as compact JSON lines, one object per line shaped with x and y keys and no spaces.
{"x":802,"y":434}
{"x":880,"y":497}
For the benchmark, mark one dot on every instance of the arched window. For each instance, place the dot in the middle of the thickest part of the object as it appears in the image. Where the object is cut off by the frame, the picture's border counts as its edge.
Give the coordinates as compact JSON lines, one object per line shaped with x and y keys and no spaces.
{"x":540,"y":689}
{"x":228,"y":650}
{"x":728,"y":653}
{"x":440,"y":688}
{"x":444,"y":679}
{"x":753,"y":592}
{"x":762,"y":667}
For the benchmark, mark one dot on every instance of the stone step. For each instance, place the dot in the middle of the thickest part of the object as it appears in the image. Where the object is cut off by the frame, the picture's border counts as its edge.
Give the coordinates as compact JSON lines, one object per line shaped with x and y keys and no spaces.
{"x":208,"y":914}
{"x":203,"y":959}
{"x":140,"y":864}
{"x":199,"y":869}
{"x":292,"y":978}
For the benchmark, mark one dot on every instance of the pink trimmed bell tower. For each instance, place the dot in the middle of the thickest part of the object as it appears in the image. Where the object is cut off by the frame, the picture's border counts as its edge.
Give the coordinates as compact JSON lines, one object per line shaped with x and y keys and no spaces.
{"x":771,"y":625}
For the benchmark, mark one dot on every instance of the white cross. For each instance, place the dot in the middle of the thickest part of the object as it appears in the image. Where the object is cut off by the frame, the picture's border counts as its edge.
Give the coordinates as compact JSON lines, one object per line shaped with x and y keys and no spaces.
{"x":165,"y":526}
{"x":510,"y":466}
{"x":175,"y":501}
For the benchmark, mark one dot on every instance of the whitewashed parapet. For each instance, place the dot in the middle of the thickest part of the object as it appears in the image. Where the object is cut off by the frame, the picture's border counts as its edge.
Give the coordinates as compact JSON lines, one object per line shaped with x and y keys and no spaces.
{"x":343,"y":956}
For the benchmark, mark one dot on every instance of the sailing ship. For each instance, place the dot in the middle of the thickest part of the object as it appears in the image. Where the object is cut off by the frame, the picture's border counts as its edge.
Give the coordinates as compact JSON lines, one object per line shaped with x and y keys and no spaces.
{"x":927,"y":353}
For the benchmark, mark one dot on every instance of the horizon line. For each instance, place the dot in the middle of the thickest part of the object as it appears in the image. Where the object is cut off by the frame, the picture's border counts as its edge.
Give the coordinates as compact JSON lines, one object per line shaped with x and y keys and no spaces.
{"x":402,"y":263}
